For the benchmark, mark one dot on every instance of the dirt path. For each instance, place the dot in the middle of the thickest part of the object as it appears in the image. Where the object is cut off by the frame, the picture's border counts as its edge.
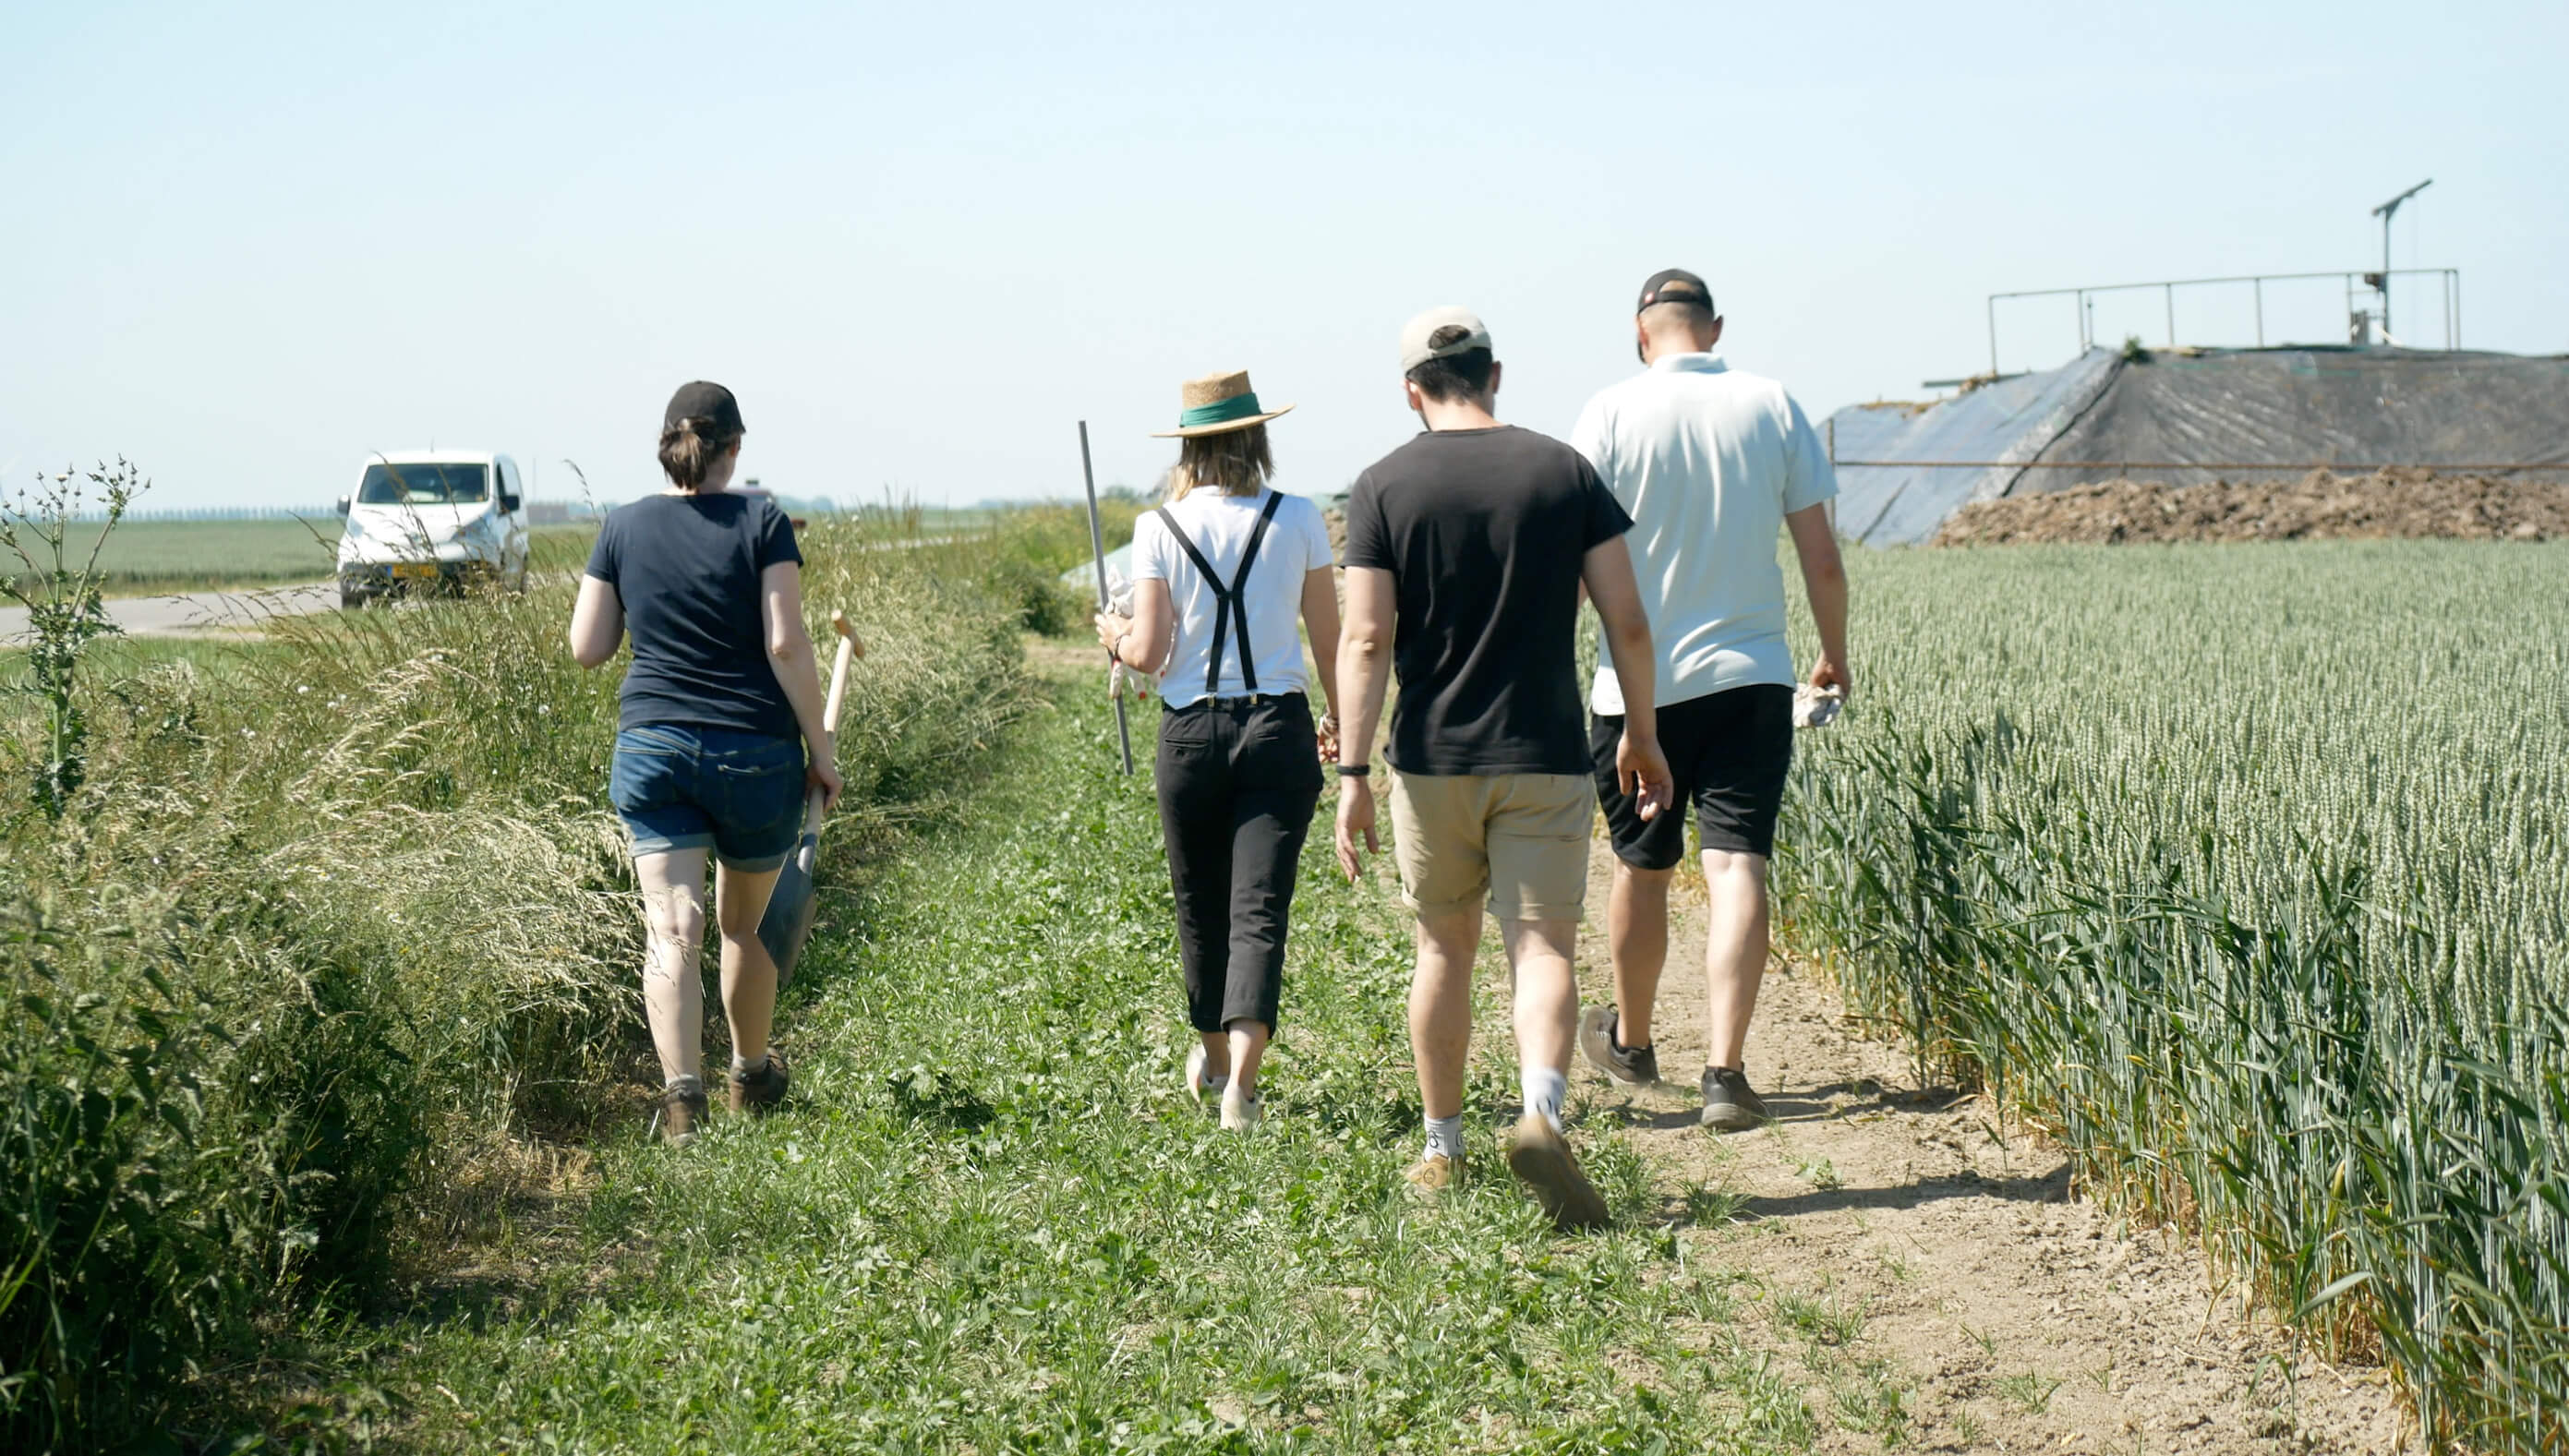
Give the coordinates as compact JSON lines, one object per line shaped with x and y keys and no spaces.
{"x":1889,"y":1232}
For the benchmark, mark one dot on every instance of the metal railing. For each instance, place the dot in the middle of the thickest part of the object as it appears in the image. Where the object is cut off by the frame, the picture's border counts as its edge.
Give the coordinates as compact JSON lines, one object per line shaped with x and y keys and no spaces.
{"x":2355,"y":279}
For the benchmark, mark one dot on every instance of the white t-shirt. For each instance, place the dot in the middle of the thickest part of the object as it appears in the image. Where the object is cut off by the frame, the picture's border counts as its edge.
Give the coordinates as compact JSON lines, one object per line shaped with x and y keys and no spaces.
{"x":1708,"y":461}
{"x":1297,"y":543}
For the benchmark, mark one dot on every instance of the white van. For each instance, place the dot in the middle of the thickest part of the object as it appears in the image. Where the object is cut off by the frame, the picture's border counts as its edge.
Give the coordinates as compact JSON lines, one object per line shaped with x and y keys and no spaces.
{"x":433,"y":521}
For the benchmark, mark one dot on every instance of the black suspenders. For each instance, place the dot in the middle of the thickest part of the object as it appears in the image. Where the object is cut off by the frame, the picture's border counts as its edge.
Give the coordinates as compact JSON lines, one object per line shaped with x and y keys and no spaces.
{"x":1227,"y":601}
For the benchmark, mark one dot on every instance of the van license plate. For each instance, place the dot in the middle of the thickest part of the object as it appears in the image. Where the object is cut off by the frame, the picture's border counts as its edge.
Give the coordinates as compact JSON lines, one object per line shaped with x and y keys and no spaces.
{"x":414,"y":568}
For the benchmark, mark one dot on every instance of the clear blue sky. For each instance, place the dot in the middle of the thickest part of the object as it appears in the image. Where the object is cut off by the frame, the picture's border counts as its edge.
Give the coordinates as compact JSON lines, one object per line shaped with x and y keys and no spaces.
{"x":247,"y":244}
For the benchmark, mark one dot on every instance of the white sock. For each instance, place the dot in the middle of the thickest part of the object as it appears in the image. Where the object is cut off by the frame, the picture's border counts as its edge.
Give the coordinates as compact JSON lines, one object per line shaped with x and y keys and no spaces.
{"x":1544,"y":1091}
{"x":1445,"y":1137}
{"x":742,"y":1066}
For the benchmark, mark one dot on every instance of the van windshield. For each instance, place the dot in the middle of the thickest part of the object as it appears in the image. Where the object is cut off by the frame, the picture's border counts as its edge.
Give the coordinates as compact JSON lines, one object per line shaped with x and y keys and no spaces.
{"x":427,"y":482}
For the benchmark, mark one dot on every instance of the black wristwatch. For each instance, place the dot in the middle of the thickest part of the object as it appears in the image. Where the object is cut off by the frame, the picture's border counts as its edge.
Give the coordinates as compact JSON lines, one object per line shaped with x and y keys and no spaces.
{"x":1354,"y":770}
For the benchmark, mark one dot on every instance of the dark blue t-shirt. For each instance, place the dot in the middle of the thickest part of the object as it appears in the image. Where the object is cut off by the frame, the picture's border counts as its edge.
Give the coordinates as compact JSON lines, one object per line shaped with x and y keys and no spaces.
{"x":687,"y":570}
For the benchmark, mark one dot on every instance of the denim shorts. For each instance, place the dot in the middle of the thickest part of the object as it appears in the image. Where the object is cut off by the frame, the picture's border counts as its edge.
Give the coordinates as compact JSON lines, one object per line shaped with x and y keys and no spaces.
{"x":739,"y":795}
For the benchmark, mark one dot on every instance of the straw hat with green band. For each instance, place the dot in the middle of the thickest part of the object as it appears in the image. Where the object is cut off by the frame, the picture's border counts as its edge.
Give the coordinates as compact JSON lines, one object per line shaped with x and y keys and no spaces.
{"x":1218,"y":403}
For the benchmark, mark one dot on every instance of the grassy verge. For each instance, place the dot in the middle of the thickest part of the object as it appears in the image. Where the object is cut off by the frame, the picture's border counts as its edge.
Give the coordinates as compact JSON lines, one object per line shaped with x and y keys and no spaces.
{"x":333,"y":955}
{"x":994,"y":1222}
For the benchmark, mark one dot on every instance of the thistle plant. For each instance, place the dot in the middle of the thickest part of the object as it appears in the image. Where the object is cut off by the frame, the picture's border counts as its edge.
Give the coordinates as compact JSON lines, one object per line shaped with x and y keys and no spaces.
{"x":65,"y":611}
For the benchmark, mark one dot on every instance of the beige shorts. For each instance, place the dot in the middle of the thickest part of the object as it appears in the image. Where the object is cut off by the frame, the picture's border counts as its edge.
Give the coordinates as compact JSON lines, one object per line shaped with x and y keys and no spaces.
{"x":1518,"y":841}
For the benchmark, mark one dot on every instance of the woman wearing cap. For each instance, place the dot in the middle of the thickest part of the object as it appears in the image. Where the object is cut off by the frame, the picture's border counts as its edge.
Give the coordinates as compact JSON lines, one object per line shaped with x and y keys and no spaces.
{"x":721,"y":699}
{"x":1221,"y":573}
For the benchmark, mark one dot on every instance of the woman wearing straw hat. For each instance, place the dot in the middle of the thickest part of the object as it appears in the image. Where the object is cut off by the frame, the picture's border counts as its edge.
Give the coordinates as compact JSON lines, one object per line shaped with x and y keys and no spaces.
{"x":1221,"y":573}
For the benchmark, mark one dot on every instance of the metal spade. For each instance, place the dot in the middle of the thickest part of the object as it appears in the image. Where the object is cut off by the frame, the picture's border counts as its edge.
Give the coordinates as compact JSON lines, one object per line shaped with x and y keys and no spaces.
{"x":788,"y":921}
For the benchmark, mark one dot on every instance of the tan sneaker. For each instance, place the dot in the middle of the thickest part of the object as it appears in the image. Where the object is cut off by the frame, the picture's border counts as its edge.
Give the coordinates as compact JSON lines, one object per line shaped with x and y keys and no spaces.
{"x":1541,"y":1159}
{"x":1432,"y":1174}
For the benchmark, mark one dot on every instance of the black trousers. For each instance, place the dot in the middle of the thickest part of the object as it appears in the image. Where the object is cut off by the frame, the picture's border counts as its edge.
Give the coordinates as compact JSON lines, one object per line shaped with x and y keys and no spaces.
{"x":1239,"y":779}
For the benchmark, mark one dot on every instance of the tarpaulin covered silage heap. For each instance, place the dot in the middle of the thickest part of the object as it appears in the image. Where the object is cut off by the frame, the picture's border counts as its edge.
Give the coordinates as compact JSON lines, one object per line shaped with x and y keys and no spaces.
{"x":2201,"y":409}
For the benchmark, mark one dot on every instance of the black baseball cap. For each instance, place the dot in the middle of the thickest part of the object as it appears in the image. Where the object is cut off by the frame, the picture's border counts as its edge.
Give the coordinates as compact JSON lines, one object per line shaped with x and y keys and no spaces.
{"x":701,"y":400}
{"x":1674,"y":285}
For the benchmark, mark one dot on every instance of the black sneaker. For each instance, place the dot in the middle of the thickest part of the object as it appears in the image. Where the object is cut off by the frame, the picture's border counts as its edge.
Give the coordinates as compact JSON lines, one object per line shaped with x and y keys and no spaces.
{"x":1633,"y":1066}
{"x":1731,"y":1105}
{"x":679,"y":1111}
{"x":762,"y":1089}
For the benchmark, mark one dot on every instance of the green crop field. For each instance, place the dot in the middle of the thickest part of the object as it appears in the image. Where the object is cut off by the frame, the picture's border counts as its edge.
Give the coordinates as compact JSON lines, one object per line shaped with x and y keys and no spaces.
{"x":148,"y":556}
{"x":2240,"y":869}
{"x":181,"y":555}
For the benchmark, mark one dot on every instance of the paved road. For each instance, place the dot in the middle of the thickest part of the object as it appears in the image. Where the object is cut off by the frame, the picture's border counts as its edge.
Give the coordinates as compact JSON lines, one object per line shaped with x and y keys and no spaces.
{"x":194,"y":613}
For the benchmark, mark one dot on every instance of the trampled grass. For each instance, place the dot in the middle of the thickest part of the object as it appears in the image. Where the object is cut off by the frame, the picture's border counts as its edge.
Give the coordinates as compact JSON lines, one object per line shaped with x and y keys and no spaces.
{"x":2240,"y":869}
{"x":991,"y":1222}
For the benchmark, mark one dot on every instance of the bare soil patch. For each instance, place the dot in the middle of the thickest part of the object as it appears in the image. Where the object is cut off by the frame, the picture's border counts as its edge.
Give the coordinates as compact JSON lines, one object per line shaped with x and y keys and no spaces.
{"x":1890,"y":1226}
{"x":2392,"y":503}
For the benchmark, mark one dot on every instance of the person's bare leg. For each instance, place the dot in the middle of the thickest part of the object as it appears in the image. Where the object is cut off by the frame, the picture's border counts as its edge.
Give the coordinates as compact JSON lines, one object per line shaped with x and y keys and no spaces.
{"x":1547,"y":991}
{"x":1217,"y":1047}
{"x":1547,"y":1021}
{"x":748,"y":971}
{"x":674,"y":989}
{"x":1734,"y":957}
{"x":1637,"y":940}
{"x":1246,"y":1047}
{"x":1440,"y":1007}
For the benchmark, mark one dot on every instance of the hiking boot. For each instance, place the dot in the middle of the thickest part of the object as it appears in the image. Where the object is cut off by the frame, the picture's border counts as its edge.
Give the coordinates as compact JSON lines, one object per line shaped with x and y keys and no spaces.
{"x":1198,"y":1085}
{"x":1242,"y":1112}
{"x":1541,"y":1159}
{"x":1432,"y":1174}
{"x":761,"y":1090}
{"x":1633,"y":1066}
{"x":1731,"y":1105}
{"x":679,"y":1111}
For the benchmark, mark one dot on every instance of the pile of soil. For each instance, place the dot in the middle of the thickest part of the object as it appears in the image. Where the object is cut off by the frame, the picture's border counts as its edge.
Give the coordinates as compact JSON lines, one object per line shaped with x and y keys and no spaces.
{"x":2391,"y":505}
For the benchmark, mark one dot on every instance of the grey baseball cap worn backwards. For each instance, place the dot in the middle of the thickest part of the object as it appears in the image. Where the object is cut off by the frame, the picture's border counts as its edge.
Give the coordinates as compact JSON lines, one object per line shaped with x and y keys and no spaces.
{"x":701,"y":400}
{"x":1674,"y":285}
{"x":1418,"y":336}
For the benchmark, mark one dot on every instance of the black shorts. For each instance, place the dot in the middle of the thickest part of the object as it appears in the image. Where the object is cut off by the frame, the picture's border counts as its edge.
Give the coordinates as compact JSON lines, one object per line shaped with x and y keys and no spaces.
{"x":1729,"y":752}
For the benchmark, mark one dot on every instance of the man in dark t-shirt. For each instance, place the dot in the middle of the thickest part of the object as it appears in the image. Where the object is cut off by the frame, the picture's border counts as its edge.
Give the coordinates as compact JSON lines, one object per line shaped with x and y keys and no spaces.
{"x":1467,"y":548}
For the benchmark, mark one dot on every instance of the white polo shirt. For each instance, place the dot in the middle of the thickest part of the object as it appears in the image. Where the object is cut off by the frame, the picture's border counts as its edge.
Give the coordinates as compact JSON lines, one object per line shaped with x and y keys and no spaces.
{"x":1708,"y":461}
{"x":1297,"y":543}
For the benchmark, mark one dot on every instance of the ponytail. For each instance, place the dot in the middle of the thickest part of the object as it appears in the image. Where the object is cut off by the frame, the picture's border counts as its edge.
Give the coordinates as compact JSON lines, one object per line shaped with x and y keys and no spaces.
{"x":689,"y":448}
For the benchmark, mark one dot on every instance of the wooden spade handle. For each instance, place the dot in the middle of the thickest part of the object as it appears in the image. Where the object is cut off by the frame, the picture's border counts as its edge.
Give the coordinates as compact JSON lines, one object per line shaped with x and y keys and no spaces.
{"x":849,"y":646}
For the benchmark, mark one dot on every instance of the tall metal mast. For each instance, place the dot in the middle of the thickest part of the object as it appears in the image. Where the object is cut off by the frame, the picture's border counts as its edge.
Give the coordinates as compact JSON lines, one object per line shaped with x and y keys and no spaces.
{"x":2385,"y":212}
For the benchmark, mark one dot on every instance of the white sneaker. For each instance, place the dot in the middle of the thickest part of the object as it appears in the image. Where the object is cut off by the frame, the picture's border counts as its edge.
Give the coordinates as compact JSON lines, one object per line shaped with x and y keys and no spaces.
{"x":1200,"y":1086}
{"x":1242,"y":1112}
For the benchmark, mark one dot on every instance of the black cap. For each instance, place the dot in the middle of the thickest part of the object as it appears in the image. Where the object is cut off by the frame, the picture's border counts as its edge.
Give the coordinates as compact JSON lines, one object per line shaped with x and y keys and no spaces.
{"x":704,"y":401}
{"x":1674,"y":285}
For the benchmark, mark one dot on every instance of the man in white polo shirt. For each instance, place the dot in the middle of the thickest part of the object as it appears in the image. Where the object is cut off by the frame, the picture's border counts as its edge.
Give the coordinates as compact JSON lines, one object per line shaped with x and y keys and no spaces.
{"x":1711,"y":463}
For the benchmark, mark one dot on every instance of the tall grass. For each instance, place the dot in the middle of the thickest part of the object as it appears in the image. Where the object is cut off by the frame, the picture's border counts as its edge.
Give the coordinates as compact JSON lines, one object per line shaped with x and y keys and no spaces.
{"x":2240,"y":869}
{"x":325,"y":926}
